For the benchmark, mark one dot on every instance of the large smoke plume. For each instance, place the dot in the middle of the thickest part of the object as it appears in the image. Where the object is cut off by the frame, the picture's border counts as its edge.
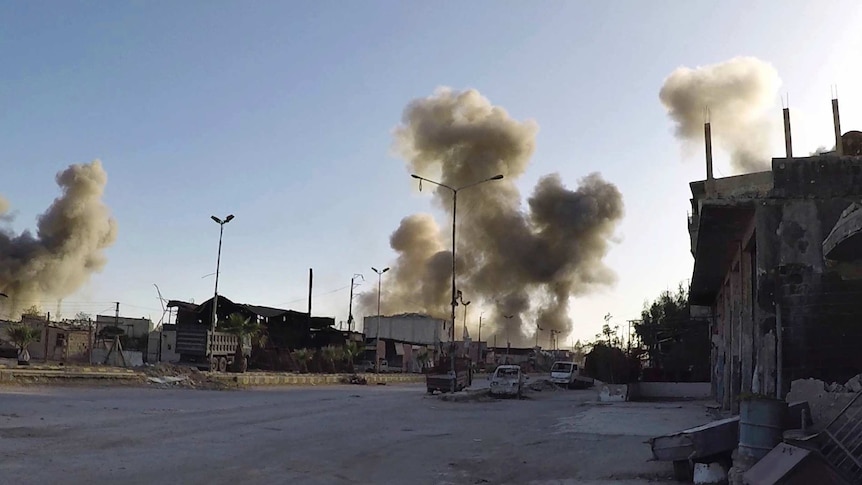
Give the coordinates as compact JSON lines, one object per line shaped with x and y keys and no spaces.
{"x":68,"y":246}
{"x":737,"y":93}
{"x":525,"y":262}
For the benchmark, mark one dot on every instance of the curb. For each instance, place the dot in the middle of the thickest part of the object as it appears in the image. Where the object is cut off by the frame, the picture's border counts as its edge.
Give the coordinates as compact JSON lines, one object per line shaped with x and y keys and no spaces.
{"x":8,"y":374}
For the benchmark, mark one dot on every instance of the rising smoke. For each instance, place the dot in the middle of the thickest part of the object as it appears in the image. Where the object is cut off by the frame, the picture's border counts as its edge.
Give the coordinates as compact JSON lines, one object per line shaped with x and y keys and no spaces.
{"x":737,"y":93}
{"x":68,"y":246}
{"x":526,"y":263}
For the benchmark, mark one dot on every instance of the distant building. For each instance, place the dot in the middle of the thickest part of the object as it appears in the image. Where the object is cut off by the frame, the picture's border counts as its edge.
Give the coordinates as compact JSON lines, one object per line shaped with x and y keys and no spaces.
{"x":134,"y":327}
{"x":405,"y":339}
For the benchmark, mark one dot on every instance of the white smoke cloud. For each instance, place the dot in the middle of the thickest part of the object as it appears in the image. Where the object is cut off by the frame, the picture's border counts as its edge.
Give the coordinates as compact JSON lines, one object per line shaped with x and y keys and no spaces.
{"x":738,"y":94}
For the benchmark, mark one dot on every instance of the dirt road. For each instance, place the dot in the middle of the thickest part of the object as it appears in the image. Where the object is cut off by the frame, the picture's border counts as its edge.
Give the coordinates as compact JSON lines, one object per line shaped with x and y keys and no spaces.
{"x":332,"y":435}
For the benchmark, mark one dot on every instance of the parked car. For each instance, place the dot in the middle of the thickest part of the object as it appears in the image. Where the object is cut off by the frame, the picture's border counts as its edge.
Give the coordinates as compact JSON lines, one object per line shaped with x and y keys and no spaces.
{"x":368,"y":366}
{"x":507,"y":380}
{"x":568,"y":374}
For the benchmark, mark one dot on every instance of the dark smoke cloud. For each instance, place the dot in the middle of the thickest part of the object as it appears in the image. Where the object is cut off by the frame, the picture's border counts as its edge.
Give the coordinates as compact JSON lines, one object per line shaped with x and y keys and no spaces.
{"x":68,"y":246}
{"x":738,"y":93}
{"x":526,"y":262}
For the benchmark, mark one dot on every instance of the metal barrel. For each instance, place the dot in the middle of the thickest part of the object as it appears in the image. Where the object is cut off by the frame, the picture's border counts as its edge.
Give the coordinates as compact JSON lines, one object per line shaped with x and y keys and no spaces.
{"x":760,"y":425}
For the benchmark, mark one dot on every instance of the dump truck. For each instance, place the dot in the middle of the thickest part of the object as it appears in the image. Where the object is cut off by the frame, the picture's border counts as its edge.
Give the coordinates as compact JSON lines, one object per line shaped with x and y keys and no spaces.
{"x":440,"y":377}
{"x":208,"y":350}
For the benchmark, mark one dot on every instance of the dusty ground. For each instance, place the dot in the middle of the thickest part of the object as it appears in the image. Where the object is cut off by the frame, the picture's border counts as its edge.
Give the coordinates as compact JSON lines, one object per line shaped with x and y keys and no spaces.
{"x":327,"y":435}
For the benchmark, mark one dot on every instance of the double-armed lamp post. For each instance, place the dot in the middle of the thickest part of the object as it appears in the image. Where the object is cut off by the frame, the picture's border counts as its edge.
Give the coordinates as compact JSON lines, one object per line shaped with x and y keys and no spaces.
{"x":221,"y":224}
{"x":377,"y":333}
{"x":454,"y":303}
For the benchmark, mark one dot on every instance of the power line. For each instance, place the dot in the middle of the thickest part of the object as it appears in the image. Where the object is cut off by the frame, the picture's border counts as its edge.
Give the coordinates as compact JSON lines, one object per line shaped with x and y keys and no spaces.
{"x":321,"y":294}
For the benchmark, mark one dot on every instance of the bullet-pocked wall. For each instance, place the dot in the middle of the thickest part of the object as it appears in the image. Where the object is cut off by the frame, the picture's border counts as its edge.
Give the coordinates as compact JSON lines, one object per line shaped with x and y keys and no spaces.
{"x":782,"y":311}
{"x":820,"y":309}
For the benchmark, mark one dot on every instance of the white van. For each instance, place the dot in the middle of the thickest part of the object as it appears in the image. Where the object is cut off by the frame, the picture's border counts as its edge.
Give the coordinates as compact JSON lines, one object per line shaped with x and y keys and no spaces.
{"x":507,"y":380}
{"x":568,"y":374}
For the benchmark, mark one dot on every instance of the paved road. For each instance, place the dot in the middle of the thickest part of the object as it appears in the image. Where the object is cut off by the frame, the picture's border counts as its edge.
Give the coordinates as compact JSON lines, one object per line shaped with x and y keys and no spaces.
{"x":331,"y":435}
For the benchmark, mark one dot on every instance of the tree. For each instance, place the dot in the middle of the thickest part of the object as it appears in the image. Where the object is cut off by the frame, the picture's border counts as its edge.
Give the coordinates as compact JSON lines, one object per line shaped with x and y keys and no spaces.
{"x":83,"y":316}
{"x":424,"y":359}
{"x":33,"y":311}
{"x":22,"y":336}
{"x":675,"y":342}
{"x":302,"y":357}
{"x":244,"y":328}
{"x":330,"y":356}
{"x":351,"y":351}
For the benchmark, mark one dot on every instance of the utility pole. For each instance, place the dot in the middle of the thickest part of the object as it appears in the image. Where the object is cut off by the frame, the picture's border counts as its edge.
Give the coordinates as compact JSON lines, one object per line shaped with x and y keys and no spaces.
{"x":538,"y":329}
{"x":350,"y":309}
{"x":117,"y":315}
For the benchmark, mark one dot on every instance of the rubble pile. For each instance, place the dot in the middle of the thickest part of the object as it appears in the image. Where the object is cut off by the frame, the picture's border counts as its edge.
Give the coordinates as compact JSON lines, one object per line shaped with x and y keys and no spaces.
{"x":543,"y":385}
{"x":354,"y":379}
{"x":853,"y":385}
{"x":482,"y":395}
{"x":167,"y":375}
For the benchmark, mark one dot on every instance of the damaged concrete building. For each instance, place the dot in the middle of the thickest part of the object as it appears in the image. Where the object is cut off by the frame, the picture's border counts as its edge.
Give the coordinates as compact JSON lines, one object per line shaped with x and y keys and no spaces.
{"x":779,"y":268}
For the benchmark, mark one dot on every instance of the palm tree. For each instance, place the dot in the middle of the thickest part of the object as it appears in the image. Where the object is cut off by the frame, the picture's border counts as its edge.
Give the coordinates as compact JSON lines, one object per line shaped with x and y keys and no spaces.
{"x":351,"y":351}
{"x":301,"y":356}
{"x":21,"y":337}
{"x":423,"y":359}
{"x":330,"y":355}
{"x":243,"y":328}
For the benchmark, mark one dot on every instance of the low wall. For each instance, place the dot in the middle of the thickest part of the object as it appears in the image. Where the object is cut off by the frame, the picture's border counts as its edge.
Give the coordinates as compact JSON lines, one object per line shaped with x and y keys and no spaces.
{"x":670,"y":390}
{"x":265,"y":379}
{"x":132,"y":358}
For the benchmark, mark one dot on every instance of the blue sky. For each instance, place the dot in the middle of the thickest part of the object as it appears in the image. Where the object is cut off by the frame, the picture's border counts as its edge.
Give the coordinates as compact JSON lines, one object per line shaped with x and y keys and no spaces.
{"x":282,"y":114}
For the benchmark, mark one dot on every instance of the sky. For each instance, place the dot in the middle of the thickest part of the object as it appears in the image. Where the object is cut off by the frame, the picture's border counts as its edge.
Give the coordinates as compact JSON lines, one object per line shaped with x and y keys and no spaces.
{"x":282,"y":113}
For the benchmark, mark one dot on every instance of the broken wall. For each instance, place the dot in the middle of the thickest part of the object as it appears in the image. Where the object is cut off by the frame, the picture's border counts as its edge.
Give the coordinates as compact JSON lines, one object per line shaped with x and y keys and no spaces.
{"x":820,"y":312}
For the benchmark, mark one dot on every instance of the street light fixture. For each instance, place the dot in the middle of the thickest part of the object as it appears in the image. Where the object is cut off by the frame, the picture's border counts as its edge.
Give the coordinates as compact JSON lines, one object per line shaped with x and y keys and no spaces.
{"x":221,"y":224}
{"x":454,"y":301}
{"x":377,"y":332}
{"x":508,"y":342}
{"x":465,"y":303}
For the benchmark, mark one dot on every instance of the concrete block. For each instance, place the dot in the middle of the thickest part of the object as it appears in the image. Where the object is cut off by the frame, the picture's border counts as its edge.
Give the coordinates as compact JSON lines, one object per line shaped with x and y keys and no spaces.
{"x":613,"y":393}
{"x":854,"y":384}
{"x":709,"y":474}
{"x":824,"y":405}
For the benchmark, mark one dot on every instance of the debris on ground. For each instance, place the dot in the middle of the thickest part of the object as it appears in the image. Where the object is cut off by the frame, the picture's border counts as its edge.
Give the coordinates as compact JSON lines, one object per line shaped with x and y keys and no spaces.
{"x":543,"y":385}
{"x":167,"y":380}
{"x":354,"y":379}
{"x":167,"y":375}
{"x":482,"y":395}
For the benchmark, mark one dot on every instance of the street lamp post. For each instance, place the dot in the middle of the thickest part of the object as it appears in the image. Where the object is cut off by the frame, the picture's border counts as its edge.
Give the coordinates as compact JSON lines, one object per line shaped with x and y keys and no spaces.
{"x":377,"y":333}
{"x":508,"y":342}
{"x":454,"y":303}
{"x":464,"y":333}
{"x":221,"y":224}
{"x":479,"y":337}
